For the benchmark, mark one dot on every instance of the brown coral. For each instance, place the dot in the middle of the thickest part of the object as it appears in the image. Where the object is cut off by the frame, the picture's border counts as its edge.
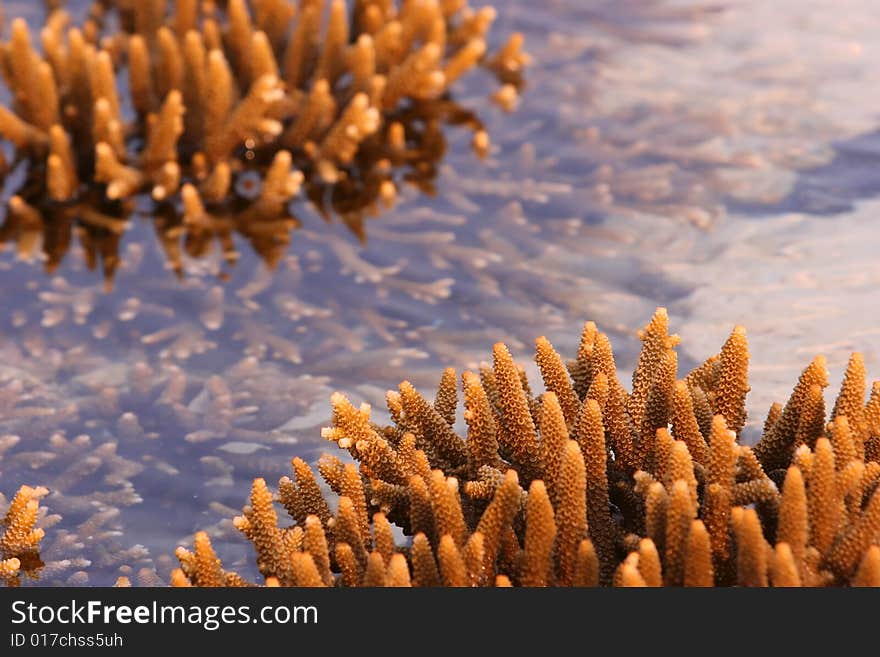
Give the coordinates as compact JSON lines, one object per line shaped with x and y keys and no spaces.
{"x":20,"y":538}
{"x":588,"y":517}
{"x":225,"y":92}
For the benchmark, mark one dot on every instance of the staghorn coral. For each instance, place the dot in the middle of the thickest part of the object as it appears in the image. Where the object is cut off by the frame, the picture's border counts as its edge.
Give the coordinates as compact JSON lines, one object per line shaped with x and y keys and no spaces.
{"x":20,"y":538}
{"x":555,"y":505}
{"x":229,"y":110}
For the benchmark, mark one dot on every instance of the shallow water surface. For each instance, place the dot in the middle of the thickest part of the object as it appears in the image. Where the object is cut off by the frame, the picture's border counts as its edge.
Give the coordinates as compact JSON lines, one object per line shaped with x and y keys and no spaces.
{"x":719,"y":159}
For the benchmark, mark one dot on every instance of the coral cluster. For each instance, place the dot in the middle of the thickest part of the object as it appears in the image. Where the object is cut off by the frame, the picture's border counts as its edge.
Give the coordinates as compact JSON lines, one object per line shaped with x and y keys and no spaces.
{"x":20,"y":540}
{"x":115,"y":444}
{"x":585,"y":484}
{"x":223,"y":113}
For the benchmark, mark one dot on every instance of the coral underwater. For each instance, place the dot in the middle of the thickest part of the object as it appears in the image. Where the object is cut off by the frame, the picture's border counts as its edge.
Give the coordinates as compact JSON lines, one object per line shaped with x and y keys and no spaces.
{"x":585,"y":484}
{"x":221,"y":113}
{"x":114,"y":445}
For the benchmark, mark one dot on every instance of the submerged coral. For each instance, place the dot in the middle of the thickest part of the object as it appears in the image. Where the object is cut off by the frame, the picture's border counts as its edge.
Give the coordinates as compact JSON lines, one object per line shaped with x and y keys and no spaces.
{"x":585,"y":484}
{"x":114,"y":444}
{"x":230,"y":111}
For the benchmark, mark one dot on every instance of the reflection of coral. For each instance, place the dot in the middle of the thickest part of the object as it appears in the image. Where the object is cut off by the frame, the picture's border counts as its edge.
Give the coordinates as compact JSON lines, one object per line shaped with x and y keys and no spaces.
{"x":228,"y":102}
{"x":193,"y":229}
{"x":632,"y":489}
{"x":20,"y":540}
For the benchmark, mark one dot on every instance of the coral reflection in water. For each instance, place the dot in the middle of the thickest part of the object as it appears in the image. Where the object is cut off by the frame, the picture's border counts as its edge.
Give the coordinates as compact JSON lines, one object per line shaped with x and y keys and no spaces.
{"x":189,"y":227}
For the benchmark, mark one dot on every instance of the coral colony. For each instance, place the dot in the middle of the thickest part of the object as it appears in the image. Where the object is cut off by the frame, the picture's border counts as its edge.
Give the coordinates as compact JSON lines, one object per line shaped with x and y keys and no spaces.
{"x":224,"y":114}
{"x":20,"y":541}
{"x":584,"y":485}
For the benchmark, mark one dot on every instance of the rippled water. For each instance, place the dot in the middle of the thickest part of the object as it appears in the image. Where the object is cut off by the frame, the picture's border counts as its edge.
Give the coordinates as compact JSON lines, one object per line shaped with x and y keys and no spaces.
{"x":719,"y":159}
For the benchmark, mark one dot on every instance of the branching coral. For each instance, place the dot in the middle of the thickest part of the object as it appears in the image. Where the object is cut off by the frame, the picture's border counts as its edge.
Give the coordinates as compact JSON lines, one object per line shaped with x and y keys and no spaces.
{"x":232,"y":110}
{"x":20,"y":539}
{"x":585,"y":484}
